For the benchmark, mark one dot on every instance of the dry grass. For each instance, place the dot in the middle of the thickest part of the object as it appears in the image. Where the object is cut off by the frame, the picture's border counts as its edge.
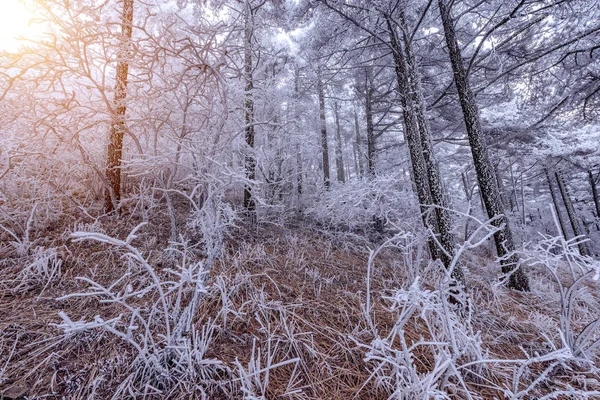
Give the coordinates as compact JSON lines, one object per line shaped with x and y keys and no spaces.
{"x":277,"y":293}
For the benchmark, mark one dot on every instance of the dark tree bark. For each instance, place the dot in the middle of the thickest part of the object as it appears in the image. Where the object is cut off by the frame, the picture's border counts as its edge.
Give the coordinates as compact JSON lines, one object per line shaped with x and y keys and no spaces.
{"x":503,"y":195}
{"x":469,"y":195}
{"x":117,"y":126}
{"x":370,"y":130}
{"x":412,"y":137}
{"x":514,"y":203}
{"x":299,"y":169}
{"x":358,"y":147}
{"x":505,"y":245}
{"x":339,"y":155}
{"x":324,"y":145}
{"x":436,"y":188}
{"x":249,"y":161}
{"x":561,"y":221}
{"x":355,"y":153}
{"x":347,"y":169}
{"x":594,"y":193}
{"x":570,"y":210}
{"x":522,"y":182}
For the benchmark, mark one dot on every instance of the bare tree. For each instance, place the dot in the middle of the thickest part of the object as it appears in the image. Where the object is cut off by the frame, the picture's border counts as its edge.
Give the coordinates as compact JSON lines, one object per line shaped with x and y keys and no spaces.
{"x":339,"y":156}
{"x":117,"y":126}
{"x":324,"y":145}
{"x":369,"y":116}
{"x":357,"y":147}
{"x":249,"y":160}
{"x":299,"y":169}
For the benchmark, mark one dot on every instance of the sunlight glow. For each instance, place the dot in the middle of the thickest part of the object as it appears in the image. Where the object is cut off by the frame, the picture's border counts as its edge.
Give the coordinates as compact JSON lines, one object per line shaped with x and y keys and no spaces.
{"x":15,"y":26}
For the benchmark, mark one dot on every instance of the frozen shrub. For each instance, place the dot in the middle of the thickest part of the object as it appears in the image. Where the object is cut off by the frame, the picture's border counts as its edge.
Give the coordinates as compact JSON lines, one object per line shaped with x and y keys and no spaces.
{"x":364,"y":205}
{"x":395,"y":361}
{"x":570,"y":271}
{"x":170,"y":351}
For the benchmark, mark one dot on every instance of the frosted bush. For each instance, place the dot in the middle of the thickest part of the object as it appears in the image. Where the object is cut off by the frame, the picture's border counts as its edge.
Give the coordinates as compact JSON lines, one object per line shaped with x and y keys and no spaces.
{"x":360,"y":205}
{"x":570,"y":271}
{"x":167,"y":346}
{"x":394,"y":360}
{"x":170,"y":351}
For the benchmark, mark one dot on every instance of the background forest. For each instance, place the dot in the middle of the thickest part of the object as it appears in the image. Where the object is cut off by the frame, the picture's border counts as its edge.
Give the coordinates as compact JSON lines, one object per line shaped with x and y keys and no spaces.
{"x":301,"y":199}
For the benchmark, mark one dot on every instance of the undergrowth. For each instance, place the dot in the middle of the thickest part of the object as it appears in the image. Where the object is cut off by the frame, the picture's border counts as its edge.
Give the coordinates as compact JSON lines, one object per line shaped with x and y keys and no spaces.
{"x":300,"y":310}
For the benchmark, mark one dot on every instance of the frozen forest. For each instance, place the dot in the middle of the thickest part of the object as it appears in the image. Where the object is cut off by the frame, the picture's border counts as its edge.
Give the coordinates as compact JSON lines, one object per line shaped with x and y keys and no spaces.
{"x":300,"y":199}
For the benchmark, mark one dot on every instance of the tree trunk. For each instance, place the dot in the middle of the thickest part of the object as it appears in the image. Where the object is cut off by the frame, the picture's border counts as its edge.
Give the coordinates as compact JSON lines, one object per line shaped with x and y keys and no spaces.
{"x":370,"y":130}
{"x":279,"y":157}
{"x":442,"y":215}
{"x":570,"y":210}
{"x":413,"y":139}
{"x":299,"y":171}
{"x":249,"y":161}
{"x":355,"y":153}
{"x":469,"y":196}
{"x":513,"y":194}
{"x":339,"y":160}
{"x":522,"y":182}
{"x":347,"y":169}
{"x":117,"y":126}
{"x":594,"y":194}
{"x":503,"y":195}
{"x":505,"y":245}
{"x":561,"y":221}
{"x":324,"y":146}
{"x":358,"y":147}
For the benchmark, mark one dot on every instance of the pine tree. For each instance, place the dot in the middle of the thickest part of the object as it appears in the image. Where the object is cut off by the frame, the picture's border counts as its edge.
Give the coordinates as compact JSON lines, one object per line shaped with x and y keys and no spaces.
{"x":488,"y":185}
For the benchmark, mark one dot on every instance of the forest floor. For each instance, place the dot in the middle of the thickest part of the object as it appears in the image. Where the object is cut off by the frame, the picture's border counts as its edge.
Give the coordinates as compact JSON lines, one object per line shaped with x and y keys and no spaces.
{"x":278,"y":292}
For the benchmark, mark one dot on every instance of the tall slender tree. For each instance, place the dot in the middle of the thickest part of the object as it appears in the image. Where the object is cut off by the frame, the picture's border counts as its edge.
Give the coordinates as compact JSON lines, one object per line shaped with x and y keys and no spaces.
{"x":339,"y":155}
{"x":324,"y":145}
{"x":594,"y":193}
{"x":488,"y":185}
{"x":570,"y":210}
{"x":436,"y":188}
{"x":296,"y":97}
{"x":561,"y":221}
{"x":358,"y":147}
{"x":249,"y":160}
{"x":412,"y":136}
{"x":369,"y":117}
{"x":118,"y":110}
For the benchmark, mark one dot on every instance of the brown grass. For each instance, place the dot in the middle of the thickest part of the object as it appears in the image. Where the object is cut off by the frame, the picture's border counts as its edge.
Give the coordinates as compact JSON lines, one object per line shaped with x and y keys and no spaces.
{"x":293,"y":286}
